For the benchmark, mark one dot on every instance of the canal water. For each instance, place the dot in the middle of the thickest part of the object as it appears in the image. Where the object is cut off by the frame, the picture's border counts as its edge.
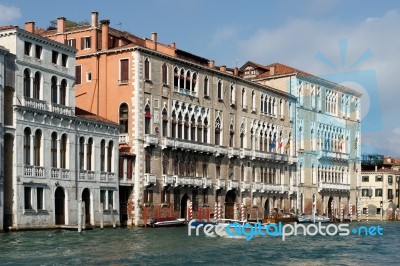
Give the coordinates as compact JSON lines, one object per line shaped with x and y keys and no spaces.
{"x":173,"y":246}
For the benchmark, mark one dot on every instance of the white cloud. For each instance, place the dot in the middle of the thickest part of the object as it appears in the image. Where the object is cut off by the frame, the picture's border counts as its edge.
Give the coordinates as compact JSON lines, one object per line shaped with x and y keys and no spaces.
{"x":297,"y":42}
{"x":9,"y":13}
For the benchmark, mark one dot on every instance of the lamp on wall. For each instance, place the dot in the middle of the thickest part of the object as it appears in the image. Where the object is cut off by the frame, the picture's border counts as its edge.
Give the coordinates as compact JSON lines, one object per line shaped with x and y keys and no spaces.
{"x":57,"y":184}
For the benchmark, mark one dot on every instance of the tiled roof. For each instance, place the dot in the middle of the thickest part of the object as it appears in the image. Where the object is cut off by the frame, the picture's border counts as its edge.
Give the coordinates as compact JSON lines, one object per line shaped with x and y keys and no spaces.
{"x":88,"y":115}
{"x":380,"y":170}
{"x":8,"y":27}
{"x":281,"y":69}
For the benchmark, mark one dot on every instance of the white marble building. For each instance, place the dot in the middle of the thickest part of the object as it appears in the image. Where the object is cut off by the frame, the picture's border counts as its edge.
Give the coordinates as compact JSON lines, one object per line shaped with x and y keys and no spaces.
{"x":55,"y":155}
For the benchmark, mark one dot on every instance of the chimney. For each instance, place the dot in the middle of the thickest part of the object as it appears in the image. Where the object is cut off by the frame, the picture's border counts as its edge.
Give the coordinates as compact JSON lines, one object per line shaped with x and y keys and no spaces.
{"x":376,"y":168}
{"x":154,"y":36}
{"x":30,"y":26}
{"x":173,"y":45}
{"x":222,"y":68}
{"x":95,"y":19}
{"x":60,"y":25}
{"x":272,"y":71}
{"x":104,"y":34}
{"x":212,"y":64}
{"x":236,"y":71}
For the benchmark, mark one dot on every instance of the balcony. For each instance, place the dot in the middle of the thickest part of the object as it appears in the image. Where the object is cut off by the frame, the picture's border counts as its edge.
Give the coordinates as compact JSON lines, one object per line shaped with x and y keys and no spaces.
{"x":245,"y":153}
{"x":168,"y":180}
{"x":333,"y":187}
{"x":123,"y":138}
{"x":176,"y":180}
{"x":175,"y":143}
{"x":292,"y":190}
{"x":233,"y":153}
{"x":272,"y":188}
{"x":167,"y":143}
{"x":233,"y":184}
{"x":220,"y":150}
{"x":86,"y":175}
{"x":34,"y":103}
{"x":206,"y":182}
{"x":34,"y":171}
{"x":245,"y":185}
{"x":150,"y":179}
{"x":107,"y":176}
{"x":150,"y":140}
{"x":256,"y":187}
{"x":62,"y":109}
{"x":331,"y":155}
{"x":292,"y":160}
{"x":220,"y":184}
{"x":197,"y":182}
{"x":58,"y":173}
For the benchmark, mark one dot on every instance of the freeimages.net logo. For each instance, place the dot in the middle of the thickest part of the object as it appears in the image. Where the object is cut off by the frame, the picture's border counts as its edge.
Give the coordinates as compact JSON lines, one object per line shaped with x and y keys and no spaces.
{"x":362,"y":80}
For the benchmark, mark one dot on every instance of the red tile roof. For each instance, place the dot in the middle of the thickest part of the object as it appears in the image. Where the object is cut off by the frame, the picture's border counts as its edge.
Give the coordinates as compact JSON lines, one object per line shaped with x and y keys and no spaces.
{"x":8,"y":27}
{"x":281,"y":69}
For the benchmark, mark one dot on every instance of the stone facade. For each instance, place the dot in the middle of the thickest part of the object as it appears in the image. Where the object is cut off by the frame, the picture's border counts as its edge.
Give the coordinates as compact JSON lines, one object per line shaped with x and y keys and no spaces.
{"x":55,"y":155}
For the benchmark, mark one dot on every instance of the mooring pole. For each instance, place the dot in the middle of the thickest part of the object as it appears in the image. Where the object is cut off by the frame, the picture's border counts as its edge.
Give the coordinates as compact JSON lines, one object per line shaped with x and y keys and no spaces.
{"x":83,"y":215}
{"x":112,"y":215}
{"x":79,"y":216}
{"x":101,"y":215}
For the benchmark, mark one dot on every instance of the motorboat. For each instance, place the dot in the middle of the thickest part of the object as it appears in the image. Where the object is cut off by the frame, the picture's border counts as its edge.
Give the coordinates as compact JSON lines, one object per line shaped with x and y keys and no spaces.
{"x":310,"y":219}
{"x":167,"y":222}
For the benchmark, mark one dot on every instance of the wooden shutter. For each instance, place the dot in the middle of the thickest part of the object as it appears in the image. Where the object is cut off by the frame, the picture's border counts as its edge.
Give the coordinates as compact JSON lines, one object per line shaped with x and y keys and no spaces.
{"x":78,"y":74}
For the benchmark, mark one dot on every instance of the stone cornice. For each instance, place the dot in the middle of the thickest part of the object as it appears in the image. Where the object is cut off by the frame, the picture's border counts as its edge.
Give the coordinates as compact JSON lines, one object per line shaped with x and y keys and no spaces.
{"x":44,"y":69}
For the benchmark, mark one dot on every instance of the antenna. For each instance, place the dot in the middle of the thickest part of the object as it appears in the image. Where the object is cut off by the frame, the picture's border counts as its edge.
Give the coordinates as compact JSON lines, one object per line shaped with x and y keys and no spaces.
{"x":119,"y":24}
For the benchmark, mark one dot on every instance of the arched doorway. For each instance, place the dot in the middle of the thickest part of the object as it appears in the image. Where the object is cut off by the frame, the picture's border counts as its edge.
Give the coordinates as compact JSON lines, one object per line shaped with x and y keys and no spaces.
{"x":330,"y":211}
{"x":8,"y":181}
{"x":86,"y":199}
{"x":59,"y":206}
{"x":266,"y":208}
{"x":230,"y":204}
{"x":184,"y":206}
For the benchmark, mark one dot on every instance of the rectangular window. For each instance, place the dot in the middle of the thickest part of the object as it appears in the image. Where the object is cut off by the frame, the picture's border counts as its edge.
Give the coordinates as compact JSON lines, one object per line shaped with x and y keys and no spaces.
{"x":378,"y":210}
{"x":27,"y":48}
{"x":121,"y":167}
{"x":365,"y":179}
{"x":390,"y":180}
{"x":205,"y":196}
{"x":64,"y":60}
{"x":124,"y":72}
{"x":165,"y":195}
{"x":378,"y":178}
{"x":390,"y":193}
{"x":365,"y":192}
{"x":78,"y":75}
{"x":28,"y":198}
{"x":88,"y":76}
{"x":38,"y":53}
{"x":71,"y":42}
{"x":40,"y":198}
{"x":378,"y":192}
{"x":111,"y":198}
{"x":54,"y":57}
{"x":103,"y":199}
{"x":148,"y":196}
{"x":85,"y":43}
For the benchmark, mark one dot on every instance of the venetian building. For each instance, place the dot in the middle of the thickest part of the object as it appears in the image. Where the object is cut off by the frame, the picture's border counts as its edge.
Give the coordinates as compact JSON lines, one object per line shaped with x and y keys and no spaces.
{"x":191,"y":132}
{"x":54,"y":154}
{"x":328,"y":132}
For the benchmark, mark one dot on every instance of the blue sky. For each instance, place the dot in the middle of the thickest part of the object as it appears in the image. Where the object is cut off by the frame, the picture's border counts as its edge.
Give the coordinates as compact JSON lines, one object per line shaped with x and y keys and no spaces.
{"x":290,"y":32}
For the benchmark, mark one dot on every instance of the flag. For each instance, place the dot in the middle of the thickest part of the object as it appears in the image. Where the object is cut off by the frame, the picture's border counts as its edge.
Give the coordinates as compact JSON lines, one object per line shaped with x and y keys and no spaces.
{"x":287,"y":145}
{"x":281,"y":143}
{"x":272,"y":144}
{"x":340,"y":146}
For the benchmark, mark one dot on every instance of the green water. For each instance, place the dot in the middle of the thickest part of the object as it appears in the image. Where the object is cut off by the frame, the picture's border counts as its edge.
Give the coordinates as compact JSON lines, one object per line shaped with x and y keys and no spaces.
{"x":173,"y":246}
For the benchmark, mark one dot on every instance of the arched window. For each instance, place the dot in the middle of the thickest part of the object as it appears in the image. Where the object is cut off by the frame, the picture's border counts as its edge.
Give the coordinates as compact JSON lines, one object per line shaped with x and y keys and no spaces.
{"x":180,"y":122}
{"x":173,"y":125}
{"x":253,"y":101}
{"x":54,"y":150}
{"x":219,"y":90}
{"x":102,"y":155}
{"x":206,"y":93}
{"x":231,"y":135}
{"x":36,"y":85}
{"x":242,"y":140}
{"x":27,"y":83}
{"x":199,"y":130}
{"x":188,"y":80}
{"x":146,"y":69}
{"x":147,"y":119}
{"x":261,"y":144}
{"x":164,"y":70}
{"x":147,"y":161}
{"x":63,"y":92}
{"x":262,"y":104}
{"x":217,"y":131}
{"x":37,"y":146}
{"x":54,"y":90}
{"x":205,"y":130}
{"x":242,"y":173}
{"x":193,"y":129}
{"x":194,"y":82}
{"x":110,"y":156}
{"x":253,"y":173}
{"x":81,"y":153}
{"x":182,"y":79}
{"x":176,"y":78}
{"x":164,"y":123}
{"x":27,"y":146}
{"x":186,"y":127}
{"x":244,"y":105}
{"x":89,"y":154}
{"x":63,"y":152}
{"x":123,"y":117}
{"x":233,"y":95}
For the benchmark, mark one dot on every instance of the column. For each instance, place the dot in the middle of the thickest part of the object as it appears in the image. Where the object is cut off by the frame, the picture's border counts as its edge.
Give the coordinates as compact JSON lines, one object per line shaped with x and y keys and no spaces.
{"x":32,"y":150}
{"x":58,"y":153}
{"x":85,"y":155}
{"x":106,"y":159}
{"x":58,"y":94}
{"x":31,"y":88}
